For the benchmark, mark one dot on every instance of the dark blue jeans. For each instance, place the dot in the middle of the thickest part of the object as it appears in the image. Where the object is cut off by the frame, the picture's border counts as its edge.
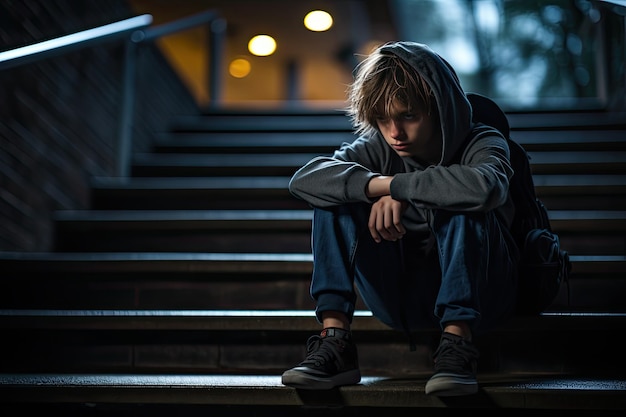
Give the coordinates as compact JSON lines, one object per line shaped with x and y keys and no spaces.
{"x":469,"y":275}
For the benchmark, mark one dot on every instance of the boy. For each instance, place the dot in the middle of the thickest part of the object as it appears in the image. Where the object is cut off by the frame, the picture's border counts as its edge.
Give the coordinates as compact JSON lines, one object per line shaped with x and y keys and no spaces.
{"x":416,"y":213}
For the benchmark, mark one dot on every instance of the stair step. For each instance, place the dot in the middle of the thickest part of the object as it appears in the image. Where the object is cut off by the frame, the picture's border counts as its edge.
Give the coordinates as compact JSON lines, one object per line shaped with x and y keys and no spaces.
{"x":590,"y":231}
{"x":236,"y":321}
{"x":571,"y":140}
{"x":603,"y":220}
{"x":250,"y":164}
{"x":261,"y":123}
{"x":263,"y":395}
{"x":251,"y":120}
{"x":222,"y":280}
{"x":222,"y":165}
{"x":314,"y":142}
{"x":194,"y":193}
{"x":194,"y":263}
{"x":584,"y":231}
{"x":260,"y":142}
{"x":168,"y":262}
{"x":581,"y":192}
{"x":264,"y":110}
{"x":558,"y":192}
{"x":575,"y":120}
{"x":230,"y":341}
{"x":284,"y":231}
{"x":578,"y":162}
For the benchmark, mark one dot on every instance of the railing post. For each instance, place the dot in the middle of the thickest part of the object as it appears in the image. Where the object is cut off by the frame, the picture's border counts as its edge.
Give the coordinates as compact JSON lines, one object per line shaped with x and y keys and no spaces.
{"x":217,"y":34}
{"x":293,"y":83}
{"x":127,"y":109}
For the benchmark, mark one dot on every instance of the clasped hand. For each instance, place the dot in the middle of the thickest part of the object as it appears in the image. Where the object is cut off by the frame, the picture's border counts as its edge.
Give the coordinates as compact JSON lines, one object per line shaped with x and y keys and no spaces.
{"x":385,"y":220}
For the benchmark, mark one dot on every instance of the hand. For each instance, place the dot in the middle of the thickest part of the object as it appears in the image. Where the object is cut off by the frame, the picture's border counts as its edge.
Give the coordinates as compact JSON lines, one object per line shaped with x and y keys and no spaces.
{"x":385,"y":220}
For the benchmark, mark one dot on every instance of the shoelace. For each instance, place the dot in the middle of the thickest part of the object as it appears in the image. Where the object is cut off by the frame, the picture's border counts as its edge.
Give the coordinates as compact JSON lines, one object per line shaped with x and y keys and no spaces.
{"x":458,"y":358}
{"x":321,"y":351}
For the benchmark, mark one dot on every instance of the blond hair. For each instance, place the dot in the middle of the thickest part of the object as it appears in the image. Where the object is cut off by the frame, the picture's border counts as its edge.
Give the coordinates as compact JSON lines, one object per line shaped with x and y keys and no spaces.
{"x":380,"y":80}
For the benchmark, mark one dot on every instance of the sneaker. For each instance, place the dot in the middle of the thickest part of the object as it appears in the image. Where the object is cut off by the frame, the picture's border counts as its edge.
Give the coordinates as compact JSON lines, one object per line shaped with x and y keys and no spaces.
{"x":455,"y":367}
{"x":331,"y":360}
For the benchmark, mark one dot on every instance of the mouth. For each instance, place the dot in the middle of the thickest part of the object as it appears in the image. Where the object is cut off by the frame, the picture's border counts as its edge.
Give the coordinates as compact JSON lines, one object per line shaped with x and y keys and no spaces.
{"x":401,"y":147}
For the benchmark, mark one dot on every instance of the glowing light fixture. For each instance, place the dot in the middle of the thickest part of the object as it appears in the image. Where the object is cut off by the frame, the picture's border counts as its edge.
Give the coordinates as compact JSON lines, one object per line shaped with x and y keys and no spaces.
{"x":239,"y":68}
{"x":262,"y":45}
{"x":318,"y":21}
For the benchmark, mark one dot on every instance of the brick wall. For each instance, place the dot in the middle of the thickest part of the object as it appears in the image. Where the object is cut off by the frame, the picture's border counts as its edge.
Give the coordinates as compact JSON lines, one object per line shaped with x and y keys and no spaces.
{"x":59,"y":117}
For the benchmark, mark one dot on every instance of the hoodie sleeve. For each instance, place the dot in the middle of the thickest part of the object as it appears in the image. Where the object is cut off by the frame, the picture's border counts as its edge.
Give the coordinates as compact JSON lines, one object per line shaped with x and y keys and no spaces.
{"x":480,"y":182}
{"x":343,"y":177}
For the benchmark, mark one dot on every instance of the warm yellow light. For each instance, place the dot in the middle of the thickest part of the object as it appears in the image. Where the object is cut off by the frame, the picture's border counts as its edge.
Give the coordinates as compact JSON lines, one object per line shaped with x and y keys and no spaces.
{"x":318,"y":21}
{"x":262,"y":45}
{"x":239,"y":68}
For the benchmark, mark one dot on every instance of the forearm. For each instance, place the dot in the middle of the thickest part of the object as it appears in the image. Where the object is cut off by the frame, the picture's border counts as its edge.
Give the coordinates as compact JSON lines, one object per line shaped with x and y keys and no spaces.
{"x":326,"y":182}
{"x":379,"y":186}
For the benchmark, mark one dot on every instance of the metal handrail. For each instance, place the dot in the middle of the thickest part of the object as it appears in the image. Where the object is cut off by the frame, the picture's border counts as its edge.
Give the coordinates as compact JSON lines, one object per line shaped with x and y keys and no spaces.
{"x":135,"y":31}
{"x":58,"y":46}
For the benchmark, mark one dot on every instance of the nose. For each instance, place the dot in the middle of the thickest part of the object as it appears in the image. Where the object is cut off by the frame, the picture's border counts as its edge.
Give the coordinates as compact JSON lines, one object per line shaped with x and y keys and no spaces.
{"x":395,"y":129}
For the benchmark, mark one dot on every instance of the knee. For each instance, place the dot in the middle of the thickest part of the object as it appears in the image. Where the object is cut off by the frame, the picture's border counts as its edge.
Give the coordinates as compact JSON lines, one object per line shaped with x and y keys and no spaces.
{"x":442,"y":218}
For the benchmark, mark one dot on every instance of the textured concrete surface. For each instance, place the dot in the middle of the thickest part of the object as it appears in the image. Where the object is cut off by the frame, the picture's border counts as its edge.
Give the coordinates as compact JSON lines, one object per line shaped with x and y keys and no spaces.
{"x":515,"y":392}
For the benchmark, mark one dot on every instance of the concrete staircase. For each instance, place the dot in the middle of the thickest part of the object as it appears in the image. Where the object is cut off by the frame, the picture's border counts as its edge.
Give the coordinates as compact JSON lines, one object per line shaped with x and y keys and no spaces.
{"x":185,"y":287}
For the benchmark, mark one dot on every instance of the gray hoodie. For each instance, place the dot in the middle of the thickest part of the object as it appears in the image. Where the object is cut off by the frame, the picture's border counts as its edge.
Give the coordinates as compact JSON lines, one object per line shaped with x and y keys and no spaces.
{"x":472,"y":175}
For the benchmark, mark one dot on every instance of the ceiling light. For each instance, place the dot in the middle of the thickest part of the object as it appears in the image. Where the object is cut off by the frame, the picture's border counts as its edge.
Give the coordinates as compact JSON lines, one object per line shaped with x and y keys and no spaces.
{"x":239,"y":68}
{"x":318,"y":21}
{"x":262,"y":45}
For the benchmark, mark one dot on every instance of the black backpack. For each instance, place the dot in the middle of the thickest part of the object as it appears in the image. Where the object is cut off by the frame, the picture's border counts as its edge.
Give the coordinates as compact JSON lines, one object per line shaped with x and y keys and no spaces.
{"x":544,"y":266}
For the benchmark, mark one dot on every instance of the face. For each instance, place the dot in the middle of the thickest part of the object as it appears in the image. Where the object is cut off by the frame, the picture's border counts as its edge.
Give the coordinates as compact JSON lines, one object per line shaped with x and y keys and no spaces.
{"x":412,"y":133}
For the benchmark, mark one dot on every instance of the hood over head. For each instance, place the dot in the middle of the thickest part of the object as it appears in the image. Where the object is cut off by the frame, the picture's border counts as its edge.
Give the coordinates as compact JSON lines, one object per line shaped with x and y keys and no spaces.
{"x":455,"y":111}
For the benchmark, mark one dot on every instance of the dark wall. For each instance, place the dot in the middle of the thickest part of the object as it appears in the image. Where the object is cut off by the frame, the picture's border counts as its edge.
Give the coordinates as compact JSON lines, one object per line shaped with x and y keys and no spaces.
{"x":59,"y":117}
